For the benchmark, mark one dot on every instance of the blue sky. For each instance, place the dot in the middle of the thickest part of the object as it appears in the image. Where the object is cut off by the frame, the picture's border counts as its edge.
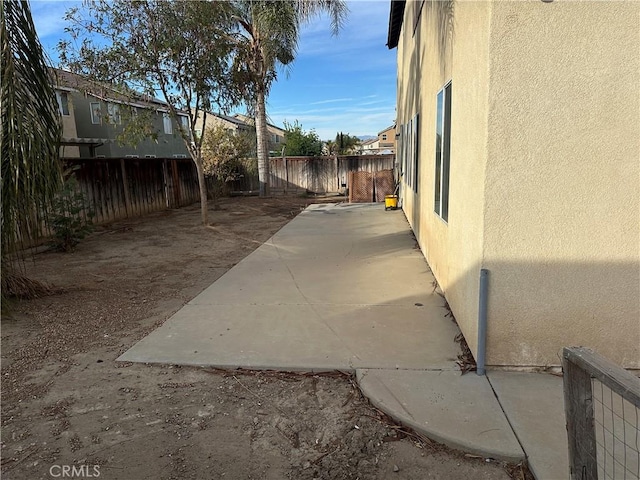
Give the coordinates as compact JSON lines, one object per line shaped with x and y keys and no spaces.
{"x":345,"y":83}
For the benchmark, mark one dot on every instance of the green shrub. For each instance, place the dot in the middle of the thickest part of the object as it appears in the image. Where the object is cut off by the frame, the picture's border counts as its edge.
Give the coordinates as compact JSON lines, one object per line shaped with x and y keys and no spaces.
{"x":67,"y":221}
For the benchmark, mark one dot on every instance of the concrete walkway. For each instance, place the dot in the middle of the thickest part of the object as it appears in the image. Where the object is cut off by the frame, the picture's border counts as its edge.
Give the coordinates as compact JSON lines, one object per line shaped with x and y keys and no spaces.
{"x":342,"y":287}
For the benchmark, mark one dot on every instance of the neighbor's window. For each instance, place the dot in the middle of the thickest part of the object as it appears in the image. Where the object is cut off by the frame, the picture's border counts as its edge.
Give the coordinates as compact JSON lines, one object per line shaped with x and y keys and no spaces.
{"x":113,"y":114}
{"x":63,"y":102}
{"x":384,"y":137}
{"x":166,"y":121}
{"x":184,"y":124}
{"x":96,"y":113}
{"x":443,"y":143}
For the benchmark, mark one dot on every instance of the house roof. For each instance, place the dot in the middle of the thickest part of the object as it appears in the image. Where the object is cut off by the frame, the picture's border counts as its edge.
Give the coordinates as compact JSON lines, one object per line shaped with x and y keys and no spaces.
{"x":67,"y":80}
{"x":238,"y":122}
{"x":396,"y":16}
{"x":250,"y":121}
{"x":386,"y":129}
{"x":234,"y":120}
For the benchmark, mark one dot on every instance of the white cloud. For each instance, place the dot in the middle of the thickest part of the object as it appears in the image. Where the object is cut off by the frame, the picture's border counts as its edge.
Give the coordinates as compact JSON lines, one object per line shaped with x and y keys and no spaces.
{"x":48,"y":17}
{"x":333,"y":100}
{"x":366,"y":26}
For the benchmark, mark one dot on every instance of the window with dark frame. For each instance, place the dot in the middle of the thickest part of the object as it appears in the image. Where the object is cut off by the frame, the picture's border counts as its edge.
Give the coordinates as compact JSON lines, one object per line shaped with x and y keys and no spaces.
{"x":409,"y":149}
{"x":415,"y":136}
{"x":443,"y":147}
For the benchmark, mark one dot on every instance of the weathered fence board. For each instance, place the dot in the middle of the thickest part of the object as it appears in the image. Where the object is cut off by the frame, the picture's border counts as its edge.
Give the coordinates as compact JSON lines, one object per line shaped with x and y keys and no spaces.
{"x":116,"y":188}
{"x":329,"y":174}
{"x":124,"y":187}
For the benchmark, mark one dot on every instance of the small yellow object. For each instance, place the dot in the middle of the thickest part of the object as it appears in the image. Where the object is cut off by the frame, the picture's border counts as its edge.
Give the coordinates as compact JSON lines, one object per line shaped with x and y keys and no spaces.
{"x":390,"y":202}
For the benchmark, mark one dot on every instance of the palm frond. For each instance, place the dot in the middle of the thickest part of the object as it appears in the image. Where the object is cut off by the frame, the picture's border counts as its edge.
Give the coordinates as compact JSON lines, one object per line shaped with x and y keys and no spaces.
{"x":31,"y":128}
{"x":336,"y":9}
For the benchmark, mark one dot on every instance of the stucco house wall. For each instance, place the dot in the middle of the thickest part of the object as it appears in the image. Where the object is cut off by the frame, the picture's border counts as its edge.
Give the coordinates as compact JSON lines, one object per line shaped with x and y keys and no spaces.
{"x":68,"y":122}
{"x":453,"y":249}
{"x":166,"y":146}
{"x":562,"y":205}
{"x":545,"y":168}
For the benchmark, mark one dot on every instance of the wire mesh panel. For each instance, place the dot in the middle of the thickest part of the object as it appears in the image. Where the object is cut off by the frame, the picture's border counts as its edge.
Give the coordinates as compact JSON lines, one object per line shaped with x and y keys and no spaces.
{"x":617,"y":434}
{"x":602,"y":406}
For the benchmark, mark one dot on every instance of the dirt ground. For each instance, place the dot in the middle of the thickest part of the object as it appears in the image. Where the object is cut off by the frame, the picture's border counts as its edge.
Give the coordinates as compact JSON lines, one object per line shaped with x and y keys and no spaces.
{"x":69,"y":410}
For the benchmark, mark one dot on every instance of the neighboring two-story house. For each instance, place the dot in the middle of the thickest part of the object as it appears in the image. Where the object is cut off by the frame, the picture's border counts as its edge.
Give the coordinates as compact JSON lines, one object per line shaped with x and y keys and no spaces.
{"x":231,"y":124}
{"x":370,"y":146}
{"x":387,"y":140}
{"x":93,"y":116}
{"x":276,"y":134}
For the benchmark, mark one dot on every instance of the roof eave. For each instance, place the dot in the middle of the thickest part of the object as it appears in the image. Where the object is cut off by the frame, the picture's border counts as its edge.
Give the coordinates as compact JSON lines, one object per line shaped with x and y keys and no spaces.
{"x":396,"y":15}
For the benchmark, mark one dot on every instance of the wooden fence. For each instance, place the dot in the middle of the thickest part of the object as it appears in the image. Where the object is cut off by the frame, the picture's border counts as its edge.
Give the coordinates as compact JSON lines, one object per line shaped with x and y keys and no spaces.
{"x":117,"y":188}
{"x":291,"y":175}
{"x":602,"y":410}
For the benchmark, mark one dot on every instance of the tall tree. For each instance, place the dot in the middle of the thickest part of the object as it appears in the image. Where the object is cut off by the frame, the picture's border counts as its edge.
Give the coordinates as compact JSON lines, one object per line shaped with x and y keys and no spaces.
{"x":175,"y":50}
{"x":266,"y":38}
{"x":299,"y":142}
{"x":31,"y":132}
{"x":345,"y":144}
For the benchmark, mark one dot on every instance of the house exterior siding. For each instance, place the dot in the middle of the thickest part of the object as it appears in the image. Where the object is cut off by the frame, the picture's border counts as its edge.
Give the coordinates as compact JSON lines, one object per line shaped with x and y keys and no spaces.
{"x":68,"y":124}
{"x":387,"y":139}
{"x":544,"y":169}
{"x":167,"y":145}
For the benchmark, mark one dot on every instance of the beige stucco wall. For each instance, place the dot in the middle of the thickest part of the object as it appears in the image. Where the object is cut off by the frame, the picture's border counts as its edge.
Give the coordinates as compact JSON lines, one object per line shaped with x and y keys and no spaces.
{"x":69,"y":130}
{"x":562,"y":209}
{"x":545,"y":172}
{"x":387,"y":139}
{"x":453,"y":249}
{"x":213,"y":120}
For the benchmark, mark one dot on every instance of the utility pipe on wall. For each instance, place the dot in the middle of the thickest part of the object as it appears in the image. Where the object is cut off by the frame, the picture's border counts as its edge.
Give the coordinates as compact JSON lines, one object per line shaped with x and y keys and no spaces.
{"x":482,"y":321}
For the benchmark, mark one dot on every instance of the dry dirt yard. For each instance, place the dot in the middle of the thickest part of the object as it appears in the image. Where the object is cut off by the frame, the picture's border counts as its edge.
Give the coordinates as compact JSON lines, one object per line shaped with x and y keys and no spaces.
{"x":67,"y":402}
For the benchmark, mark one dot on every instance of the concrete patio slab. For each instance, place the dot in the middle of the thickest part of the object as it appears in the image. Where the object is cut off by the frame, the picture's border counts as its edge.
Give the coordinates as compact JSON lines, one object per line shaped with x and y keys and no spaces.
{"x":328,"y":291}
{"x":302,"y":337}
{"x":458,"y":410}
{"x":342,"y":287}
{"x":534,"y":405}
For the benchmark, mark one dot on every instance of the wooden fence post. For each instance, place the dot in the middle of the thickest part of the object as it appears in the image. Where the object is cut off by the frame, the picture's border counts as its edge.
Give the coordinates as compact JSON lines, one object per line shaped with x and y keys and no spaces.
{"x":176,"y":182}
{"x":578,"y":404}
{"x":125,"y":184}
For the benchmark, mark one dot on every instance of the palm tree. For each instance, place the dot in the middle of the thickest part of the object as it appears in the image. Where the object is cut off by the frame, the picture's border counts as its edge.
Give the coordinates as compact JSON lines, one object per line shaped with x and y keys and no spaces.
{"x":31,"y":132}
{"x":267,"y":37}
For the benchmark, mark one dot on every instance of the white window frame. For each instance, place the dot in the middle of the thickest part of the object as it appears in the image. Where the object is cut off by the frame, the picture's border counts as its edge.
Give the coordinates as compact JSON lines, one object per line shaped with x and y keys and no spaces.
{"x":184,"y":124}
{"x":443,"y":159}
{"x":113,"y":113}
{"x":167,"y":124}
{"x":61,"y":104}
{"x":96,"y":113}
